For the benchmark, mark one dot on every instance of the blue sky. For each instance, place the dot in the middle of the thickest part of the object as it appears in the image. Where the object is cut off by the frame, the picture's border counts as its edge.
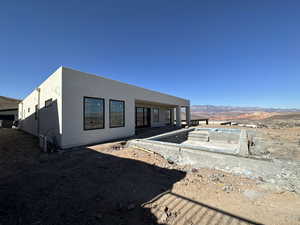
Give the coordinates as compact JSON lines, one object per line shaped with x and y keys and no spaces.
{"x":241,"y":53}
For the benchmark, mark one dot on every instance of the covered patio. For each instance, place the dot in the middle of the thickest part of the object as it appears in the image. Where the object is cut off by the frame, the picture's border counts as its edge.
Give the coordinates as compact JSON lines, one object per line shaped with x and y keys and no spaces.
{"x":155,"y":114}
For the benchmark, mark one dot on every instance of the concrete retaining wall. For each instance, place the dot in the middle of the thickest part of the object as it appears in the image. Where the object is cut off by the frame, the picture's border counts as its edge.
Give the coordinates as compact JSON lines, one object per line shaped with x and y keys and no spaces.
{"x":279,"y":173}
{"x":270,"y":171}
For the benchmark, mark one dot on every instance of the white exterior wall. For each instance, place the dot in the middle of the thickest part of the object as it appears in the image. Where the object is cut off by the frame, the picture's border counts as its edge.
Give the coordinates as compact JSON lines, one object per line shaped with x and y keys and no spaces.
{"x":64,"y":119}
{"x":77,"y":85}
{"x":50,"y":119}
{"x":26,"y":113}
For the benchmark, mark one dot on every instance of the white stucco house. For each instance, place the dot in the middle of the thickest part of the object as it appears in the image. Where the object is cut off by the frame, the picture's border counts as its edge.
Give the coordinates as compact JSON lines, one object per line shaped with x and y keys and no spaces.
{"x":74,"y":108}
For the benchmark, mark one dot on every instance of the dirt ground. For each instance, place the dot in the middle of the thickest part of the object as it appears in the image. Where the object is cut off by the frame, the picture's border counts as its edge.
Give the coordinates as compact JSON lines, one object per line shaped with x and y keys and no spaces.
{"x":284,"y":143}
{"x":105,"y":184}
{"x":281,"y":143}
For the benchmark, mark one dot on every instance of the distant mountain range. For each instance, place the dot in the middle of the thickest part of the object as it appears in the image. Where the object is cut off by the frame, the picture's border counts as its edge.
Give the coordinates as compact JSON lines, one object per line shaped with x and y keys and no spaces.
{"x":219,"y":109}
{"x":235,"y":112}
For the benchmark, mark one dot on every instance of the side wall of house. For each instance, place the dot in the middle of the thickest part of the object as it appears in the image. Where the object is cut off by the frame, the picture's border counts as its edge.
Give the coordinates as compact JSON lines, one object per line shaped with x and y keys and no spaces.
{"x":46,"y":120}
{"x":77,"y":85}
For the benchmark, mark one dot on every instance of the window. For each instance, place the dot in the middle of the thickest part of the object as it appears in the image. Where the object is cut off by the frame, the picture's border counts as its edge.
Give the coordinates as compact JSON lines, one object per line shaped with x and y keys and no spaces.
{"x":93,"y":113}
{"x":48,"y":103}
{"x":29,"y":110}
{"x":116,"y":113}
{"x":139,"y":116}
{"x":142,"y":117}
{"x":155,"y":115}
{"x":168,"y":116}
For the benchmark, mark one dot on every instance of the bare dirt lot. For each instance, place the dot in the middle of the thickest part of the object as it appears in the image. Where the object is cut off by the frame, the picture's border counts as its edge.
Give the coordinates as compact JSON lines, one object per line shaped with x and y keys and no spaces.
{"x":281,"y":143}
{"x":104,"y":185}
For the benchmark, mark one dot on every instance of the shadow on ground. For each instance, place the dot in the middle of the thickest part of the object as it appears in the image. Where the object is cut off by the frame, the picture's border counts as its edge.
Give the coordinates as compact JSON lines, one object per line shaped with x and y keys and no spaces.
{"x":86,"y":187}
{"x":179,"y":210}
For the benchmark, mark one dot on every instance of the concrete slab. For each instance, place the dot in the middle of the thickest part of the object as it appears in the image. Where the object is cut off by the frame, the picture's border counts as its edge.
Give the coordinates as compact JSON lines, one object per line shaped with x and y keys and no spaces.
{"x":214,"y":147}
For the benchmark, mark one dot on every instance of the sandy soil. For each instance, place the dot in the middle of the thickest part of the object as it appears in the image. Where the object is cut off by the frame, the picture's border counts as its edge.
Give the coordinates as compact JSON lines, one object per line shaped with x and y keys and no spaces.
{"x":283,"y":143}
{"x":106,"y":184}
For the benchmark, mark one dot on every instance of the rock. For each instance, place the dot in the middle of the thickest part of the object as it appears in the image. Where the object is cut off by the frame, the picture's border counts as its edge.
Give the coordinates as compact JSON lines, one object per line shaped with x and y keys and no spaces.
{"x":166,"y":209}
{"x":194,"y":170}
{"x":228,"y":188}
{"x":167,"y":215}
{"x":290,"y":187}
{"x":163,"y":217}
{"x":253,"y":195}
{"x":261,"y":179}
{"x":216,"y":177}
{"x":170,"y":161}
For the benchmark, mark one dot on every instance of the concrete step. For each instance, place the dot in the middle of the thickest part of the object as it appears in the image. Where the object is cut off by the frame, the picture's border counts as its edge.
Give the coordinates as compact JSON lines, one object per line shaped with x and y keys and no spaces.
{"x":199,"y":133}
{"x":198,"y":139}
{"x":198,"y":136}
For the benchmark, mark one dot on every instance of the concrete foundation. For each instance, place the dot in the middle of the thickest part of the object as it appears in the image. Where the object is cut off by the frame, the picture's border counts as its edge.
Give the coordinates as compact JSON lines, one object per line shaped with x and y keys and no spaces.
{"x":219,"y":153}
{"x":224,"y":141}
{"x":198,"y":141}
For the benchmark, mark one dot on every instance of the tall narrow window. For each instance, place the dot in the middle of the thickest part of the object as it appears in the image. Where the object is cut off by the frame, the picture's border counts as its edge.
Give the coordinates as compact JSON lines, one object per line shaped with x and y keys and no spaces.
{"x":139,"y":116}
{"x":116,"y":113}
{"x":155,"y":115}
{"x":93,"y":113}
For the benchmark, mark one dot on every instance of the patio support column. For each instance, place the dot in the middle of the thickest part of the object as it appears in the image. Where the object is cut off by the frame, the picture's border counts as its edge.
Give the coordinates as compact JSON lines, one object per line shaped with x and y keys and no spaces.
{"x":188,"y":115}
{"x":178,"y":116}
{"x":172,"y":116}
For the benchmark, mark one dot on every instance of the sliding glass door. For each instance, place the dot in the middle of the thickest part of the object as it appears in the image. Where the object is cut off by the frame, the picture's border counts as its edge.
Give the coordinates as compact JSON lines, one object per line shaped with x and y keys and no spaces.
{"x":142,"y":117}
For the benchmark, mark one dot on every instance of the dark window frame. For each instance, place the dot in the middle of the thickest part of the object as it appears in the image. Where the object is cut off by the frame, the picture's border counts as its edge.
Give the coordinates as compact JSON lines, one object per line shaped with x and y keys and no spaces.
{"x":148,"y":118}
{"x":169,"y":116}
{"x":98,"y":128}
{"x":116,"y":100}
{"x":157,"y":115}
{"x":47,"y":104}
